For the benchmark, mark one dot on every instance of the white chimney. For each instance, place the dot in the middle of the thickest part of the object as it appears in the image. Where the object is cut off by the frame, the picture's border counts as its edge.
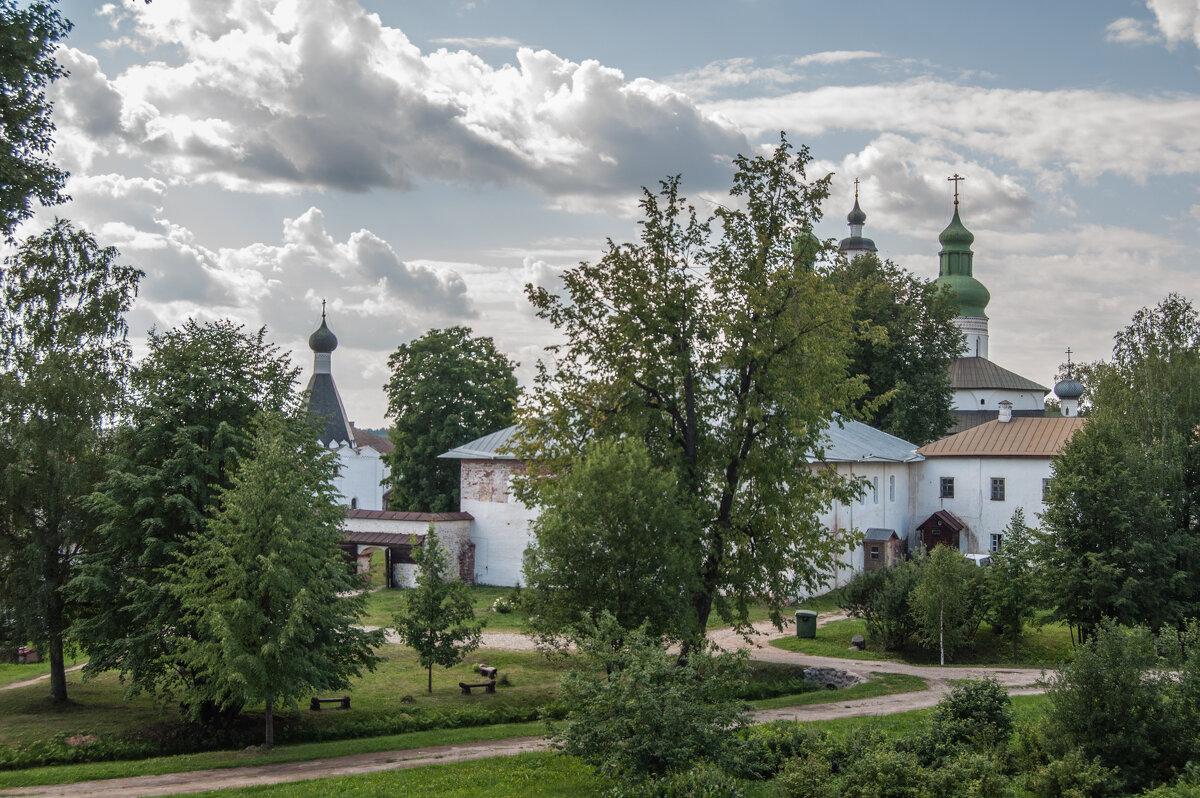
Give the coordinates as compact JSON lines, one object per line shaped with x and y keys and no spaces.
{"x":1005,"y":412}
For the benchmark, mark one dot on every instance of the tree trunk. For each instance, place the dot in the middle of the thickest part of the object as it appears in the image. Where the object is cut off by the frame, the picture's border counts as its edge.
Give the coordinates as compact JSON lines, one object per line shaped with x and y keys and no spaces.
{"x":942,"y":633}
{"x":58,"y":670}
{"x":431,"y":678}
{"x":1015,"y":636}
{"x":270,"y":738}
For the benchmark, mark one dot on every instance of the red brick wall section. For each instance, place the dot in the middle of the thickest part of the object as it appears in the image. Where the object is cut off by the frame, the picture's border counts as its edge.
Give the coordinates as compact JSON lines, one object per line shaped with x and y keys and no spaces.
{"x":487,"y":480}
{"x":466,"y":563}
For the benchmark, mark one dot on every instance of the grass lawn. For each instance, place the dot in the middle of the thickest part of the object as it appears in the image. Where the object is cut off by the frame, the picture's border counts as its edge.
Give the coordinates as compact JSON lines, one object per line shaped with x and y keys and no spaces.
{"x":879,"y":684}
{"x":383,"y":604}
{"x":1045,"y":647}
{"x":11,"y":672}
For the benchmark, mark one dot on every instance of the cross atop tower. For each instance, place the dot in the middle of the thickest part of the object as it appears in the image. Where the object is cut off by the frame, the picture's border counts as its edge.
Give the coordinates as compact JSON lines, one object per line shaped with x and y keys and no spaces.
{"x":1068,"y":362}
{"x":955,"y":180}
{"x":856,"y":189}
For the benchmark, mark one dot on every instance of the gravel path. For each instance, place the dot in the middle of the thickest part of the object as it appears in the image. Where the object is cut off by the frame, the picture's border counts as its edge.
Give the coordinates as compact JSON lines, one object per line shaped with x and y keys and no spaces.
{"x":1020,"y":681}
{"x":44,"y":677}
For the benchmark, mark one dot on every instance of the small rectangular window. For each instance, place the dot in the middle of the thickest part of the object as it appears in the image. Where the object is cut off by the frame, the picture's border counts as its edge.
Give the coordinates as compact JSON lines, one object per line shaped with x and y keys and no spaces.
{"x":1045,"y":489}
{"x":874,"y":552}
{"x":947,"y":487}
{"x":996,"y":539}
{"x":875,"y":489}
{"x":997,"y":489}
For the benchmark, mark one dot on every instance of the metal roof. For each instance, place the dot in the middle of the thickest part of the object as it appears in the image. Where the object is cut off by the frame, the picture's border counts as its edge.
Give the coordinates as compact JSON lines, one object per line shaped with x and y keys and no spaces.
{"x":877,"y":534}
{"x":382,"y":538}
{"x":965,"y":419}
{"x":325,"y":405}
{"x":852,"y":442}
{"x":1021,"y":437}
{"x":855,"y":442}
{"x":393,"y":515}
{"x":979,"y":372}
{"x":377,"y":442}
{"x":486,"y":448}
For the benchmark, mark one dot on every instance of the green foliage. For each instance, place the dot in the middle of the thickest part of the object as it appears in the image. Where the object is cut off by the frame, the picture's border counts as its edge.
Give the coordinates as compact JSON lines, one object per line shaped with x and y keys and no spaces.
{"x":196,"y":396}
{"x":29,"y":34}
{"x":704,"y":780}
{"x":1073,"y":776}
{"x":1012,"y":581}
{"x":945,"y":602}
{"x":437,"y":619}
{"x":614,"y":535}
{"x":881,"y":598}
{"x":267,"y":589}
{"x":1124,"y":505}
{"x":653,"y":714}
{"x":1115,"y":706}
{"x":904,"y":341}
{"x":63,"y":367}
{"x":977,"y":712}
{"x":725,"y":353}
{"x":447,"y":387}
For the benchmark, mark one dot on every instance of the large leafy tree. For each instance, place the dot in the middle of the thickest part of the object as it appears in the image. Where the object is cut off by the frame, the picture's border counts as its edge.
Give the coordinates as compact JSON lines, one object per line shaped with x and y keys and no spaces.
{"x":436,"y":618}
{"x":944,"y":602}
{"x":904,"y":341}
{"x":196,"y":396}
{"x":64,"y":364}
{"x":1124,"y":502}
{"x":614,"y":535}
{"x":725,"y":354}
{"x":447,"y":387}
{"x":266,"y":589}
{"x":29,"y":33}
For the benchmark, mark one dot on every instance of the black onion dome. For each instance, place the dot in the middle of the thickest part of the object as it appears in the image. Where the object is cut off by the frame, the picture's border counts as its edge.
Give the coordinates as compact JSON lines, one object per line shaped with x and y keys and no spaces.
{"x":856,"y":216}
{"x":323,"y":341}
{"x":1068,"y":389}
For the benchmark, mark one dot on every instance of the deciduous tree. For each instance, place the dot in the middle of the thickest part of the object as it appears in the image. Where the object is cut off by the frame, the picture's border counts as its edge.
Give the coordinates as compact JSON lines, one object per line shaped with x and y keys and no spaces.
{"x":725,"y":354}
{"x":447,"y":387}
{"x":942,"y":602}
{"x":64,"y":364}
{"x":613,"y":535}
{"x":196,"y":396}
{"x":904,"y":342}
{"x":273,"y":605}
{"x":436,"y":618}
{"x":29,"y":33}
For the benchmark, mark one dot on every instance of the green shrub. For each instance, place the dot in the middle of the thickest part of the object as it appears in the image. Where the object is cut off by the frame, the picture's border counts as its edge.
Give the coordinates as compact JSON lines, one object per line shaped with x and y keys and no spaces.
{"x":880,"y":598}
{"x":976,"y":711}
{"x":702,"y":781}
{"x":1073,"y":776}
{"x":770,"y":746}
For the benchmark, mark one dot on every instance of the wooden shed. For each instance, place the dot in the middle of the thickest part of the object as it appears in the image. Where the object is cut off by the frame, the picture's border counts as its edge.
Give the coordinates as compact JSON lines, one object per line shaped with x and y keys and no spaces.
{"x":940,"y":529}
{"x":883,"y":548}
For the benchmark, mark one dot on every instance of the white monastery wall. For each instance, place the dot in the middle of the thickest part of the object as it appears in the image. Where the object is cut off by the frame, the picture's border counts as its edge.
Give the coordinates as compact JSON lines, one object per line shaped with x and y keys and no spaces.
{"x":501,"y":528}
{"x":361,"y":473}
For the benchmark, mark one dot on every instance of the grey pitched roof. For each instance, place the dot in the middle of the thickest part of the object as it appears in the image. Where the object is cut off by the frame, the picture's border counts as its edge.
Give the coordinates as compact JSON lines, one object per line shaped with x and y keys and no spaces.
{"x":325,"y":405}
{"x":965,"y":419}
{"x":877,"y":534}
{"x":979,"y":372}
{"x":853,"y":442}
{"x":486,"y":448}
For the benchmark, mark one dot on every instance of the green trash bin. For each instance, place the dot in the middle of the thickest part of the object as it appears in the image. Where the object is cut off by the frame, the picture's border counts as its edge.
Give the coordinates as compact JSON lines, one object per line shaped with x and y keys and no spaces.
{"x":806,"y":623}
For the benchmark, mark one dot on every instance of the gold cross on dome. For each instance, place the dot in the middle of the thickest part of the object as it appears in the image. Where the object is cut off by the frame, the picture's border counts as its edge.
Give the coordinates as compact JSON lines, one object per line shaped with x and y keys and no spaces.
{"x":955,"y":180}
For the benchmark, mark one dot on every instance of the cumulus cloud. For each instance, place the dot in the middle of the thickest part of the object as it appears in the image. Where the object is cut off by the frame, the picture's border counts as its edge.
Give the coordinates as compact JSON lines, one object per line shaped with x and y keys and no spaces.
{"x":479,"y":42}
{"x":836,"y":57}
{"x":732,"y":73}
{"x":1128,"y":30}
{"x":1175,"y":21}
{"x":1088,"y":133}
{"x":284,"y":96}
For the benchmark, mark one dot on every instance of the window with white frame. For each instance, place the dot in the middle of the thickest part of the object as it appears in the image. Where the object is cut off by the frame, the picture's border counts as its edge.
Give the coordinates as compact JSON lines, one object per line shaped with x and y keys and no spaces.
{"x":996,"y":540}
{"x":947,"y":488}
{"x":1045,"y":489}
{"x":997,"y":489}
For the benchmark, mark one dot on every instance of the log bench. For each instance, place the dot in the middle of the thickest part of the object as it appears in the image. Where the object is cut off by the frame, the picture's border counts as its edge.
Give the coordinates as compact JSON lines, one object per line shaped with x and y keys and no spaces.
{"x":490,"y":687}
{"x":343,"y":702}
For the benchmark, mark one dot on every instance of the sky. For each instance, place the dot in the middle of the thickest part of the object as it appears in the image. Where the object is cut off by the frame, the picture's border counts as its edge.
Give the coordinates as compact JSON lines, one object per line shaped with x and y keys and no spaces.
{"x":416,"y":164}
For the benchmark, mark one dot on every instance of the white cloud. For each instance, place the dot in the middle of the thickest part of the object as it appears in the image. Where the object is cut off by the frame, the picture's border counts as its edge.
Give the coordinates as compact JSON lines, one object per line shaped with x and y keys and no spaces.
{"x":1088,"y":133}
{"x":1178,"y":20}
{"x":1128,"y":30}
{"x":479,"y":42}
{"x":284,"y":96}
{"x":836,"y":57}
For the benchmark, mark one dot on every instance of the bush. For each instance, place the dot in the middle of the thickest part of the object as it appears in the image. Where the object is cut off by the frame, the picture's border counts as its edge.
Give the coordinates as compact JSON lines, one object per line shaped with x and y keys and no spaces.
{"x":1073,"y":776}
{"x":1112,"y":705}
{"x":502,"y":605}
{"x":976,"y":711}
{"x":771,"y":746}
{"x":702,"y":781}
{"x":880,"y":598}
{"x":653,"y":715}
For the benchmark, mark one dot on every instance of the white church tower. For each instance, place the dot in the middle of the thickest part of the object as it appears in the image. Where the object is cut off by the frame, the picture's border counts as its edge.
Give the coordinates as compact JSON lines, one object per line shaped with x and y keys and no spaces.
{"x":362,"y":470}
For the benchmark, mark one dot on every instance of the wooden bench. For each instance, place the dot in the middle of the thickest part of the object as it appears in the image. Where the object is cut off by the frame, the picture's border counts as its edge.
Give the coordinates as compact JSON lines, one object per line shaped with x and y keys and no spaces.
{"x":466,"y":688}
{"x":343,"y":702}
{"x":487,"y":671}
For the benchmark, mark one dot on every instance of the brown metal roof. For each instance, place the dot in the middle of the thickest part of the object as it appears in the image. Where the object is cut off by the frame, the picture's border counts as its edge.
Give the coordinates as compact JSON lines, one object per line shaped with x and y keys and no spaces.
{"x":1021,"y":437}
{"x":392,"y":515}
{"x":979,"y":372}
{"x":942,"y":518}
{"x":382,"y":538}
{"x":376,"y":442}
{"x":965,"y":419}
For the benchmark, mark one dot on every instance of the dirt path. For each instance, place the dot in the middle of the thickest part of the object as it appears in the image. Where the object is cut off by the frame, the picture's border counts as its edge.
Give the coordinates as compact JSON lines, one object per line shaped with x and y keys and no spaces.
{"x":1020,"y":681}
{"x":36,"y":679}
